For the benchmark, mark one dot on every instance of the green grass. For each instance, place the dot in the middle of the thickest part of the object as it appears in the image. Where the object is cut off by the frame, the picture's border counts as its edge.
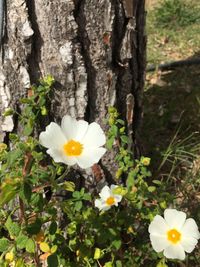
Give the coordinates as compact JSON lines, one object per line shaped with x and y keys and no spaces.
{"x":173,"y":30}
{"x":172,"y":14}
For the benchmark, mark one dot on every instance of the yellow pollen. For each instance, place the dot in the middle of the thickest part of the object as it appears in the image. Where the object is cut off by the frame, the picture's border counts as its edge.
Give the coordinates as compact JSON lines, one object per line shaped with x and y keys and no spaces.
{"x":174,"y":236}
{"x":110,"y":201}
{"x":73,"y":148}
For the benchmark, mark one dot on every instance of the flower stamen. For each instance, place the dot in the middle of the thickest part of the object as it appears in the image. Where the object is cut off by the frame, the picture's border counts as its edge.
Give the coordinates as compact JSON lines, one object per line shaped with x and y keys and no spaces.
{"x":173,"y":236}
{"x":110,"y":201}
{"x":73,"y":148}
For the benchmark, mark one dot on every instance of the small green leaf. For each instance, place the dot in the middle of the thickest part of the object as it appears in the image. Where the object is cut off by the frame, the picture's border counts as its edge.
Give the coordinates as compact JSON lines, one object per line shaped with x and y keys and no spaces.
{"x":118,"y":263}
{"x":26,"y":192}
{"x":44,"y":247}
{"x":9,"y":188}
{"x":125,"y":139}
{"x":8,"y":112}
{"x":12,"y":227}
{"x":30,"y":246}
{"x":54,"y":249}
{"x":28,"y":129}
{"x":110,"y":142}
{"x":4,"y":244}
{"x":52,"y":260}
{"x":108,"y":264}
{"x":97,"y":253}
{"x":53,"y":228}
{"x":117,"y":244}
{"x":120,"y":121}
{"x":151,"y":189}
{"x":69,"y":186}
{"x":13,"y":156}
{"x":21,"y":241}
{"x":78,"y":205}
{"x":35,"y":227}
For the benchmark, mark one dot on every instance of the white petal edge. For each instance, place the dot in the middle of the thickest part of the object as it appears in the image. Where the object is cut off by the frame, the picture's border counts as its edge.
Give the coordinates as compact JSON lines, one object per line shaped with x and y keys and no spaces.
{"x":94,"y":136}
{"x":190,"y":229}
{"x":158,"y":226}
{"x":105,"y":193}
{"x":90,"y":156}
{"x":174,"y":252}
{"x":52,"y":137}
{"x":189,"y":244}
{"x":174,"y":218}
{"x":58,"y":156}
{"x":69,"y":127}
{"x":159,"y":243}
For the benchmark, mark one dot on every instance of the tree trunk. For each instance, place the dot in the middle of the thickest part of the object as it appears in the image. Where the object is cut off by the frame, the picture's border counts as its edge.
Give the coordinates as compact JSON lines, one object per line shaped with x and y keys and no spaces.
{"x":95,"y":49}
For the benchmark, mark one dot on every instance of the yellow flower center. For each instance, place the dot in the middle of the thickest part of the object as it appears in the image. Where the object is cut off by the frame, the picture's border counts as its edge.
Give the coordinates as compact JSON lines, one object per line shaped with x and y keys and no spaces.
{"x":110,"y":201}
{"x":73,"y":148}
{"x":174,"y":236}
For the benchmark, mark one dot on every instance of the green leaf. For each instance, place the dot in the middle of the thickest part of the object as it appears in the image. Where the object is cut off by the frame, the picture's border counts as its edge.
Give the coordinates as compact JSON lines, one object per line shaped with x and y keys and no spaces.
{"x":78,"y":205}
{"x":4,"y":244}
{"x":8,"y":112}
{"x":114,"y":130}
{"x":118,"y":263}
{"x":26,"y":192}
{"x":151,"y":189}
{"x":20,"y":263}
{"x":35,"y":227}
{"x":110,"y":142}
{"x":30,"y":246}
{"x":108,"y":264}
{"x":28,"y":129}
{"x":53,"y":228}
{"x":69,"y":186}
{"x":54,"y":249}
{"x":44,"y":247}
{"x":117,"y":244}
{"x":125,"y":139}
{"x":52,"y":260}
{"x":76,"y":194}
{"x":12,"y":227}
{"x":120,"y":121}
{"x":157,"y":182}
{"x":9,"y":188}
{"x":13,"y":156}
{"x":21,"y":241}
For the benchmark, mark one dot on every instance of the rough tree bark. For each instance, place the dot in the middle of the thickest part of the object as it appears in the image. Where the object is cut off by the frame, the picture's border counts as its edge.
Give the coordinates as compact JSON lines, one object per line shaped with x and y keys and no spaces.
{"x":95,"y":49}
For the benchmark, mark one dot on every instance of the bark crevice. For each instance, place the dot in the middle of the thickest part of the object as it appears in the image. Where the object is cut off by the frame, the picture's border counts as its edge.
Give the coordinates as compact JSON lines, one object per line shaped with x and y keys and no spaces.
{"x":84,"y":41}
{"x":35,"y":56}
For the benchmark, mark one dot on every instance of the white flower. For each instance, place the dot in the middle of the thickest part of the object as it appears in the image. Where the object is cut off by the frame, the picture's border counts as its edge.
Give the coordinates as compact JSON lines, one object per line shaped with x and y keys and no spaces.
{"x":75,"y":142}
{"x":173,"y":234}
{"x":107,"y":198}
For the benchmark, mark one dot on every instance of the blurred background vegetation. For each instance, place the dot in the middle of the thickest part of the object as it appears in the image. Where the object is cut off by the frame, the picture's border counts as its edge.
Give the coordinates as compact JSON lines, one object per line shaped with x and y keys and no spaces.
{"x":171,"y":126}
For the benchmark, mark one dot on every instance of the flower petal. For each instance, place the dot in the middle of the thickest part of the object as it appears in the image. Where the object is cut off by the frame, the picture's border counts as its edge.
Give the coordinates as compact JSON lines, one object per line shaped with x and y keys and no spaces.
{"x":73,"y":129}
{"x":90,"y":156}
{"x":58,"y":156}
{"x":158,"y":226}
{"x":94,"y":136}
{"x":98,"y":203}
{"x":101,"y":205}
{"x":190,"y":229}
{"x":118,"y":198}
{"x":159,"y":243}
{"x":189,"y":243}
{"x":105,"y":193}
{"x":52,"y":137}
{"x":174,"y":252}
{"x":174,"y":218}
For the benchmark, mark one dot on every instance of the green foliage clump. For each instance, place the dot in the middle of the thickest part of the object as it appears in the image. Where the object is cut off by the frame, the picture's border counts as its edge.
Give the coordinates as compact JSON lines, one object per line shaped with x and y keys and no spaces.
{"x":176,"y":13}
{"x":40,"y":225}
